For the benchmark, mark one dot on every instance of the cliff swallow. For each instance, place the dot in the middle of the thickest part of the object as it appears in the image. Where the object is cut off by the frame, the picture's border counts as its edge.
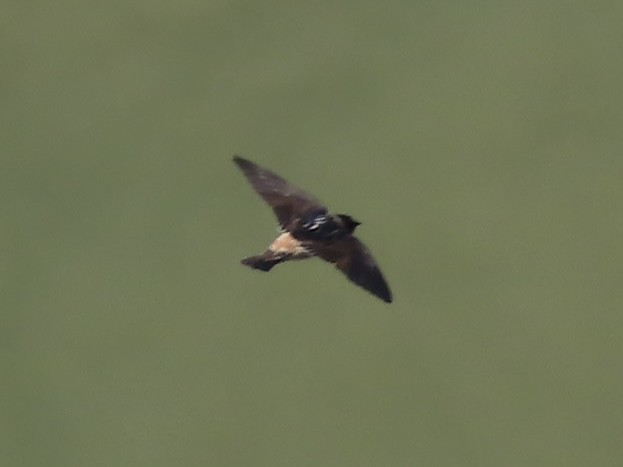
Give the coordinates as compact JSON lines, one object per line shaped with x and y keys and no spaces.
{"x":308,"y":229}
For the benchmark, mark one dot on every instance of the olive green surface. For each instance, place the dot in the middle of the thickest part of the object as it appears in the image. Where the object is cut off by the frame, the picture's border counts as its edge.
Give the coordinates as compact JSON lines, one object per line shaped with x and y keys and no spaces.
{"x":481,"y":146}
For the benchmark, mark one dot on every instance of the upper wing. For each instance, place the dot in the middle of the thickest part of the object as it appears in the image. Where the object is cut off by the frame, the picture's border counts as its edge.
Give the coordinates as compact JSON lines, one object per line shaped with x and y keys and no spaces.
{"x":288,"y":202}
{"x":353,"y":259}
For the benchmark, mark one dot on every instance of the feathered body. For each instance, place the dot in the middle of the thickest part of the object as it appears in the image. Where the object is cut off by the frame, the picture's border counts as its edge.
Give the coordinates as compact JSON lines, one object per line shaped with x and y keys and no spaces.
{"x":308,"y":229}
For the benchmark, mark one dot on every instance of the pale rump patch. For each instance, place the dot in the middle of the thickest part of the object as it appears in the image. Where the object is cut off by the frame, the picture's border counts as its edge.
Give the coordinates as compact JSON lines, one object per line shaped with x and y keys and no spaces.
{"x":288,"y":245}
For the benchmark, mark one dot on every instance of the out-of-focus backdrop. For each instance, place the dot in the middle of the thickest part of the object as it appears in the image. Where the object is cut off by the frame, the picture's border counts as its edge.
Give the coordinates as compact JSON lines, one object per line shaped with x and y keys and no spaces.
{"x":480,"y":144}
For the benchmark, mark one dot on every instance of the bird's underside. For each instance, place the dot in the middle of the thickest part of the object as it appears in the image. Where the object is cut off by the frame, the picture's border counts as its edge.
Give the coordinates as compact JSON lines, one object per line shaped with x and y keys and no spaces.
{"x":284,"y":248}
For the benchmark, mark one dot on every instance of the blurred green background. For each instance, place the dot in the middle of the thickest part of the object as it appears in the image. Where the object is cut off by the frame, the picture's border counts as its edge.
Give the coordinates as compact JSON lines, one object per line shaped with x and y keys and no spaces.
{"x":479,"y":143}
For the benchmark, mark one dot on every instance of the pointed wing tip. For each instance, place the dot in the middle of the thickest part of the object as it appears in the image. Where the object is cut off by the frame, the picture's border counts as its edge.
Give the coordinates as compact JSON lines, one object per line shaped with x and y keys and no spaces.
{"x":248,"y":168}
{"x":240,"y":161}
{"x":375,"y":284}
{"x":384,"y":295}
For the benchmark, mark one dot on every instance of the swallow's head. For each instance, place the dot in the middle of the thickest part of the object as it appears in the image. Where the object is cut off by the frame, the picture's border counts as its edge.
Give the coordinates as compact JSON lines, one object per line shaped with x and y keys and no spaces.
{"x":349,"y":223}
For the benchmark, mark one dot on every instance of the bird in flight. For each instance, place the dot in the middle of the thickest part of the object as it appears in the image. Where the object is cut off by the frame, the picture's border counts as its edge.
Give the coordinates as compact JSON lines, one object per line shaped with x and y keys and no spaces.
{"x":308,"y":229}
